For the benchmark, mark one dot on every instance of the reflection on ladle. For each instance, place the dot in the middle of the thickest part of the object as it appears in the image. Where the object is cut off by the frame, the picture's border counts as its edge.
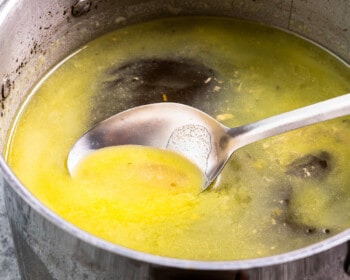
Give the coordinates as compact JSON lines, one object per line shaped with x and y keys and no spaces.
{"x":195,"y":134}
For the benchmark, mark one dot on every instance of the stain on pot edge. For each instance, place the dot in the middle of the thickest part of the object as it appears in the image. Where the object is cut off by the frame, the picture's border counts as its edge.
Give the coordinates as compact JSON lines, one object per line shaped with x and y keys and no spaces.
{"x":6,"y":87}
{"x":81,"y":7}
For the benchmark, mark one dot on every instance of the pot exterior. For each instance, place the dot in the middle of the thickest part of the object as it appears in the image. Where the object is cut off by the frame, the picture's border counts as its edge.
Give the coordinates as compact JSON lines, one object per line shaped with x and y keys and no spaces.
{"x":34,"y":35}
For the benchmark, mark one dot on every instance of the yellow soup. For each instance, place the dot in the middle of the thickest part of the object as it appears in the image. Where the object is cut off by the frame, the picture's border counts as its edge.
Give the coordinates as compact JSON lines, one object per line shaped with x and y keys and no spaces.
{"x":274,"y":196}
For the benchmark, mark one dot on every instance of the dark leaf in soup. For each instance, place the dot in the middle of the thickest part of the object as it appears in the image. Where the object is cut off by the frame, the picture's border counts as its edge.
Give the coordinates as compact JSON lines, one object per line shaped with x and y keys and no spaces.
{"x":283,"y":216}
{"x":151,"y":80}
{"x":298,"y":227}
{"x":311,"y":166}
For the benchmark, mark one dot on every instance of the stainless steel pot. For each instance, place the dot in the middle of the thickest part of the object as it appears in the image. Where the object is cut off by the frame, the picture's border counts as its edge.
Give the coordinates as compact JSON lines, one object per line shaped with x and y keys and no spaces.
{"x":34,"y":35}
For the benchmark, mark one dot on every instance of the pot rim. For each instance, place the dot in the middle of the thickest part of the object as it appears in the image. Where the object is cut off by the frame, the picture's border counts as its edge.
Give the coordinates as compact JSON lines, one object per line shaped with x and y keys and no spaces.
{"x":51,"y":216}
{"x":7,"y":175}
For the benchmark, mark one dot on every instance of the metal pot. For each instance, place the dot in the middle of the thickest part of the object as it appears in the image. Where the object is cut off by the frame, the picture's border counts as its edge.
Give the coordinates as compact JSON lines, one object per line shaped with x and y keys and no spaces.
{"x":34,"y":35}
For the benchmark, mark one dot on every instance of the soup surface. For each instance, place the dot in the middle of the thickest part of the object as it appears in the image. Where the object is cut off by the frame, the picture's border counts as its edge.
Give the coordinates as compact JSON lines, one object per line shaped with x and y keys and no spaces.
{"x":274,"y":196}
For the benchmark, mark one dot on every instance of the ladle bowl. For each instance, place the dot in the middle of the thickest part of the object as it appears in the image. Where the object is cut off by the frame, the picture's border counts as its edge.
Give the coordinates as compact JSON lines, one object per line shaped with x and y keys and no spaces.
{"x":194,"y":134}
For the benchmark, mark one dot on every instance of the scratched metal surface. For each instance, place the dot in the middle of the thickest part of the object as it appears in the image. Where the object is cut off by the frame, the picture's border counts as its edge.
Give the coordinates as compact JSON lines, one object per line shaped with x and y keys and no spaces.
{"x":8,"y":263}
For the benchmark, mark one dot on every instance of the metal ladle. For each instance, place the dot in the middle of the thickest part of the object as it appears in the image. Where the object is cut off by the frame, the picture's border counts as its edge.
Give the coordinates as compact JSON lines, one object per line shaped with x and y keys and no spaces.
{"x":195,"y":134}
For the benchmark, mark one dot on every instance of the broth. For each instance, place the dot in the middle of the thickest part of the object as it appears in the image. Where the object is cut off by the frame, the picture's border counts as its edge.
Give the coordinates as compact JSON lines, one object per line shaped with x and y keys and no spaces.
{"x":294,"y":186}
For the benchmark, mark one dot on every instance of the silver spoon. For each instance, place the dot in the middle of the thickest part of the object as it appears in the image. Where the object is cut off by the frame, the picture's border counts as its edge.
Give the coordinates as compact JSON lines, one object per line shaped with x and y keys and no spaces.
{"x":195,"y":134}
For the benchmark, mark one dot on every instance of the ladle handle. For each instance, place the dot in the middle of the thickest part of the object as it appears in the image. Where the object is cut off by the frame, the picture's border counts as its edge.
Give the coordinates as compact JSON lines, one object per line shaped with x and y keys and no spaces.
{"x":319,"y":112}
